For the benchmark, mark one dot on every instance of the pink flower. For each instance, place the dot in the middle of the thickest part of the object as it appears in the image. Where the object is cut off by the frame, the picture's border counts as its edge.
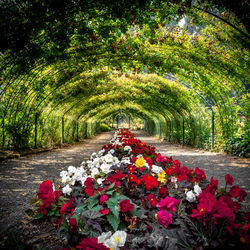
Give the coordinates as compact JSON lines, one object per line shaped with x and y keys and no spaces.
{"x":229,"y":179}
{"x":168,"y":203}
{"x":164,"y":218}
{"x":103,"y":198}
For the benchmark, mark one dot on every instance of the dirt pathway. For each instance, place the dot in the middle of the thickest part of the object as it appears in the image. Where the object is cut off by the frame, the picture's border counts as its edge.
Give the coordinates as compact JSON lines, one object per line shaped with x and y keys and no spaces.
{"x":214,"y":164}
{"x":20,"y":178}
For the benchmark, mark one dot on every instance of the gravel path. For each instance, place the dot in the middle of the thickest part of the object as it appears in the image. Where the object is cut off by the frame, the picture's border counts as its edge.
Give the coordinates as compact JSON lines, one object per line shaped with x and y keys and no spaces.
{"x":214,"y":164}
{"x":20,"y":178}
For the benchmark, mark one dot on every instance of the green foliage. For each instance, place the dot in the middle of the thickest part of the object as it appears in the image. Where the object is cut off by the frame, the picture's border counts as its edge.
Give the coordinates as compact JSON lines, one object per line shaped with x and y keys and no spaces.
{"x":88,"y":61}
{"x":238,"y":146}
{"x":104,"y":127}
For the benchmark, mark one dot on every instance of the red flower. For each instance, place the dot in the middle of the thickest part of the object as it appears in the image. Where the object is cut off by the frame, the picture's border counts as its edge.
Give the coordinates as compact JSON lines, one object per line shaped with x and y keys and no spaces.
{"x":91,"y":244}
{"x":73,"y":225}
{"x":169,"y":203}
{"x":245,"y":234}
{"x":47,"y":202}
{"x":236,"y":191}
{"x":163,"y":192}
{"x":103,"y":198}
{"x":68,"y":207}
{"x":176,"y":163}
{"x":46,"y":189}
{"x":200,"y":173}
{"x":89,"y":183}
{"x":161,"y":158}
{"x":247,"y":216}
{"x":143,"y":201}
{"x":152,"y":200}
{"x":56,"y":195}
{"x":164,"y":218}
{"x":150,"y":182}
{"x":90,"y":191}
{"x":125,"y":206}
{"x":229,"y":179}
{"x":132,"y":178}
{"x":104,"y":211}
{"x":206,"y":207}
{"x":131,"y":169}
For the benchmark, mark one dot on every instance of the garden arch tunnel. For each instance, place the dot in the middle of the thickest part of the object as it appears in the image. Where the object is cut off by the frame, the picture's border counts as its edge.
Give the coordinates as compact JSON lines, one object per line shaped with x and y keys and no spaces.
{"x":99,"y":64}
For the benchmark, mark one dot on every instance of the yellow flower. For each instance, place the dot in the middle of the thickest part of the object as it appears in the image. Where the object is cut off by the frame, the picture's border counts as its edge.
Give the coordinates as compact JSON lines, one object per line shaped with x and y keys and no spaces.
{"x":161,"y":177}
{"x":140,"y":162}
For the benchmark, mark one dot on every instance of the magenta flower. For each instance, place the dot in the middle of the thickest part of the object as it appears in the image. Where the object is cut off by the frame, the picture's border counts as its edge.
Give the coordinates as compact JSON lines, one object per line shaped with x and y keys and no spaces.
{"x":169,"y":204}
{"x":164,"y":218}
{"x":103,"y":198}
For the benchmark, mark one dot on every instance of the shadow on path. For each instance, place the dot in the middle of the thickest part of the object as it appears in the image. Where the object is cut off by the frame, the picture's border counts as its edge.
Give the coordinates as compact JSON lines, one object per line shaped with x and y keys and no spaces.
{"x":214,"y":164}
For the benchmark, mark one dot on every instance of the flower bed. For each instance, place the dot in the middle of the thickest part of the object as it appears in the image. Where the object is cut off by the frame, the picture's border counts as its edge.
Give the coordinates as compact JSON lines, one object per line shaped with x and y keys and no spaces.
{"x":127,"y":196}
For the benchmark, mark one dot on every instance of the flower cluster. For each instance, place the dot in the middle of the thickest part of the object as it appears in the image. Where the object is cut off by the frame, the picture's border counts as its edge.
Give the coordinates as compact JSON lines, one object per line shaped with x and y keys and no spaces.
{"x":129,"y":189}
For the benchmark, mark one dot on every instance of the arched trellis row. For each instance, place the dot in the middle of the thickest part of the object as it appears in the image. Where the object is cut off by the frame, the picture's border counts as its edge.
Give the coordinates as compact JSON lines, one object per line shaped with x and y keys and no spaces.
{"x":104,"y":60}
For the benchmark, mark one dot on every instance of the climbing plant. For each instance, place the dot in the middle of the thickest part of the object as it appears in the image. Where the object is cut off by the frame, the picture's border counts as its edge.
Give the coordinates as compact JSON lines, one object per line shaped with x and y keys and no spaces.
{"x":181,"y":66}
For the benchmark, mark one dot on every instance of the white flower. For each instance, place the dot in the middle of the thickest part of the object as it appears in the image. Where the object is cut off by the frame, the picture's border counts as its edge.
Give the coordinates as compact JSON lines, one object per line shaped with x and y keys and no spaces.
{"x":111,"y":151}
{"x":95,"y":163}
{"x":115,"y":160}
{"x":95,"y":172}
{"x":190,"y":196}
{"x":127,"y":148}
{"x":197,"y":189}
{"x":173,"y":179}
{"x":63,"y":173}
{"x":99,"y":181}
{"x":146,"y":165}
{"x":126,"y":160}
{"x":67,"y":190}
{"x":108,"y":158}
{"x":93,"y":156}
{"x":117,"y":240}
{"x":104,"y":236}
{"x":83,"y":163}
{"x":83,"y":179}
{"x":156,"y":169}
{"x":66,"y":179}
{"x":71,"y":170}
{"x":78,"y":174}
{"x":105,"y":168}
{"x":100,"y":153}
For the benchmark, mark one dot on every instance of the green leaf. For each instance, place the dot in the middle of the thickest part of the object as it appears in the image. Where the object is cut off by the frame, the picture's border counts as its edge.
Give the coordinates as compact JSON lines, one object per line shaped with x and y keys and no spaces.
{"x":111,"y":186}
{"x":80,"y":209}
{"x":38,"y":216}
{"x":114,"y":222}
{"x":92,"y":201}
{"x":91,"y":214}
{"x":136,"y":212}
{"x":97,"y":208}
{"x":29,"y":212}
{"x":113,"y":206}
{"x":102,"y":174}
{"x":50,"y":213}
